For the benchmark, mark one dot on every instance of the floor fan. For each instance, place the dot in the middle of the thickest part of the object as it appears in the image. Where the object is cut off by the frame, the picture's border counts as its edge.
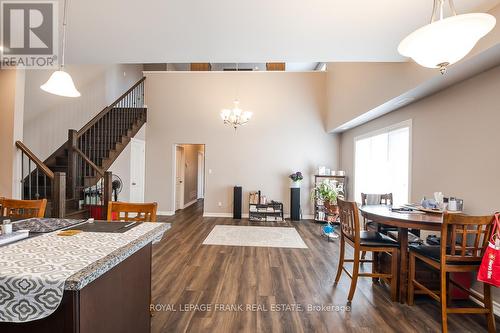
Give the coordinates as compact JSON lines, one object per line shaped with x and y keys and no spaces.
{"x":117,"y":186}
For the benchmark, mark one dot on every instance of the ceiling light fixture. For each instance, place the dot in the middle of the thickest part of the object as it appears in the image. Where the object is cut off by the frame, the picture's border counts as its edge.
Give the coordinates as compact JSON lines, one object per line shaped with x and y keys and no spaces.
{"x":235,"y":117}
{"x":445,"y":41}
{"x":60,"y":82}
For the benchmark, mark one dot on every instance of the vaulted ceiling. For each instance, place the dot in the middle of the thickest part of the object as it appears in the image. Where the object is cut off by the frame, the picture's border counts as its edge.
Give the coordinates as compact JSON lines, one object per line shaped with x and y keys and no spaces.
{"x":159,"y":31}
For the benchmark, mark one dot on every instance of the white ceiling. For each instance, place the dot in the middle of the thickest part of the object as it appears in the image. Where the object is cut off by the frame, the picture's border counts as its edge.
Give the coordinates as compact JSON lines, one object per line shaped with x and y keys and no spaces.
{"x":159,"y":31}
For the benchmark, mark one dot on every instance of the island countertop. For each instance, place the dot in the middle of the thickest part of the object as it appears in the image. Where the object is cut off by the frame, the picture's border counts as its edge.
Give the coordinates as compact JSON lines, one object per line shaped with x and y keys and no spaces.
{"x":39,"y":269}
{"x":85,"y":276}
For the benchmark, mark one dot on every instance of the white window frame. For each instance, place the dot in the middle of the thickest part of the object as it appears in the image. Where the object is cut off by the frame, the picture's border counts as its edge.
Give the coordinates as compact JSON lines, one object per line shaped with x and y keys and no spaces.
{"x":407,"y":123}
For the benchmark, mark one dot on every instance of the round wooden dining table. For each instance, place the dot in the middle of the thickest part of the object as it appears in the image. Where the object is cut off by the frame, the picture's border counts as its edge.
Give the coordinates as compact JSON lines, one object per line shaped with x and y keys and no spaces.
{"x":383,"y":214}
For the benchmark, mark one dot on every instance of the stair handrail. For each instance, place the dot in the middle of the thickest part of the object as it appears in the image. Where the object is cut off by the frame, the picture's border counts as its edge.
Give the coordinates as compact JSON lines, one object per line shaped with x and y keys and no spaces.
{"x":101,"y":114}
{"x":43,"y":167}
{"x":88,"y":161}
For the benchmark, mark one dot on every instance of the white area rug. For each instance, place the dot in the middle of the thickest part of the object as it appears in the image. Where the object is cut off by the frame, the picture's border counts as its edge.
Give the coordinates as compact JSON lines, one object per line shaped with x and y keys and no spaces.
{"x":255,"y":236}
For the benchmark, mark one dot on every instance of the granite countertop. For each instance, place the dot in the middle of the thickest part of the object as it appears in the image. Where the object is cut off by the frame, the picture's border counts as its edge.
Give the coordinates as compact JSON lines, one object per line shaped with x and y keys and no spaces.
{"x":90,"y":273}
{"x":37,"y":270}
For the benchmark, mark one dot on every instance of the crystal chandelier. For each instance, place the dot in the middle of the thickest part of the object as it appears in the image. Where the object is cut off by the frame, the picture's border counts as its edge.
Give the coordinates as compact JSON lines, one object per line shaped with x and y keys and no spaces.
{"x":235,"y":117}
{"x":444,"y":41}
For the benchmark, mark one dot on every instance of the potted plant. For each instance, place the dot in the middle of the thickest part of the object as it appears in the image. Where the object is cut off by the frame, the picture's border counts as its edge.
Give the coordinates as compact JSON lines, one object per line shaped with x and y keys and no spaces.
{"x":327,"y":193}
{"x":296,"y":179}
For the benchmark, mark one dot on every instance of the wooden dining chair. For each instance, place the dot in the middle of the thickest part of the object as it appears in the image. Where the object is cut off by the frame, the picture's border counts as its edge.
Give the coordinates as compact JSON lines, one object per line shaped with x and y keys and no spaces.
{"x":125,"y":211}
{"x":385,"y":199}
{"x":463,"y":242}
{"x":19,"y":209}
{"x":364,"y":241}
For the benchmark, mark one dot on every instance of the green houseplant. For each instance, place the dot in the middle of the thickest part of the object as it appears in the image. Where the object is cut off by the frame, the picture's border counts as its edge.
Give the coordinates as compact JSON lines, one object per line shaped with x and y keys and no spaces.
{"x":326,"y":192}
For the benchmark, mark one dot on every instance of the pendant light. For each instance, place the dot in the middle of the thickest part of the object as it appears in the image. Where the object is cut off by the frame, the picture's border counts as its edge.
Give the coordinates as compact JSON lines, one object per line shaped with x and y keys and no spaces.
{"x":444,"y":41}
{"x":60,"y":82}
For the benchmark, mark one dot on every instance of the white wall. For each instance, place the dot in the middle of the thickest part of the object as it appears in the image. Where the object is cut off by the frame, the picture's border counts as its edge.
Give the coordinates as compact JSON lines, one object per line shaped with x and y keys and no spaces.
{"x":122,"y":166}
{"x":47,"y":118}
{"x":286,"y":134}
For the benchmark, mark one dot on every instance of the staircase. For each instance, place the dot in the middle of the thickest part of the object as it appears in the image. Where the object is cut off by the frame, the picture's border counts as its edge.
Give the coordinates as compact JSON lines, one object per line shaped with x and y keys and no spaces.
{"x":74,"y":179}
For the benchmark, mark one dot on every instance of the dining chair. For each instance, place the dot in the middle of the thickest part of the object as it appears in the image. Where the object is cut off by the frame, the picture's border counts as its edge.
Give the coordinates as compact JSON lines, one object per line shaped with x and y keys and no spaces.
{"x":125,"y":211}
{"x":380,"y":199}
{"x":463,"y":242}
{"x":364,"y":241}
{"x":19,"y":209}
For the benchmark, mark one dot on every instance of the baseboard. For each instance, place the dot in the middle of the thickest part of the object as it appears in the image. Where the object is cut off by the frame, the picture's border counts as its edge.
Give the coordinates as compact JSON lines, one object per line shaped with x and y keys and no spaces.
{"x":205,"y":214}
{"x":246,"y":215}
{"x":165,"y":213}
{"x":189,"y":203}
{"x":496,"y":305}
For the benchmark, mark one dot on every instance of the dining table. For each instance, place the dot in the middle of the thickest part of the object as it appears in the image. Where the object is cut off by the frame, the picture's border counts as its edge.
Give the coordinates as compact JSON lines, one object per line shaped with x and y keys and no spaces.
{"x":403,"y":220}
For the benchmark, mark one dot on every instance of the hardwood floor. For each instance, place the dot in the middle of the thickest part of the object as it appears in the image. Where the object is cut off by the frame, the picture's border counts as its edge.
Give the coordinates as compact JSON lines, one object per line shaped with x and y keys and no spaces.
{"x":186,"y":272}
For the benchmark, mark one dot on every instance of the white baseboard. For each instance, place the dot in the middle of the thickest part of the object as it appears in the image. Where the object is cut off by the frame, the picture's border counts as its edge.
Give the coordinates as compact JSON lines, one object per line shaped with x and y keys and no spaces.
{"x":189,"y":204}
{"x":165,"y":213}
{"x":245,"y":215}
{"x":205,"y":214}
{"x":496,"y":305}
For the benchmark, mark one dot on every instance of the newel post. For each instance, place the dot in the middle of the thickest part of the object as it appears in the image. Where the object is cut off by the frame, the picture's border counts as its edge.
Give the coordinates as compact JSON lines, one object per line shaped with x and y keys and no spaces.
{"x":107,"y":192}
{"x":59,"y":195}
{"x":71,"y":176}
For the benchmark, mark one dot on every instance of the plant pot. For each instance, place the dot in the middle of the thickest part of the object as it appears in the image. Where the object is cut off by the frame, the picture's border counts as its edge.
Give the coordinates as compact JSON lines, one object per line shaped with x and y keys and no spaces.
{"x":332,"y":209}
{"x":295,"y":184}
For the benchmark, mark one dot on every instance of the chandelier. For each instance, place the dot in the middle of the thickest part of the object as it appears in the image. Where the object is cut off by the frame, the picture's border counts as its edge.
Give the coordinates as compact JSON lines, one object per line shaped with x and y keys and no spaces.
{"x":444,"y":41}
{"x":235,"y":117}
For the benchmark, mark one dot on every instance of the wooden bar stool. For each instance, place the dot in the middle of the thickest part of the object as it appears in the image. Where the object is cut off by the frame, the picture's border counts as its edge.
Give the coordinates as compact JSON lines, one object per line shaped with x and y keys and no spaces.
{"x":125,"y":211}
{"x":364,"y":241}
{"x":463,"y":242}
{"x":22,"y":209}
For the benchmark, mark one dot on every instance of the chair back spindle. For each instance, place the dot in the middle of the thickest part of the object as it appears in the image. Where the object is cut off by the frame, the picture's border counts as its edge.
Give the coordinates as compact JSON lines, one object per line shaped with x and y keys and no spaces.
{"x":349,"y":220}
{"x":125,"y":211}
{"x":385,"y":199}
{"x":17,"y":209}
{"x":464,"y":238}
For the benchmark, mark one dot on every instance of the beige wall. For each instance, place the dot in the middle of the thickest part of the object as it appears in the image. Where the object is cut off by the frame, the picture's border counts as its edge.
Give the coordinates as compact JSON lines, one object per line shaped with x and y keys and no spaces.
{"x":455,"y":143}
{"x":11,"y":120}
{"x":287,"y":133}
{"x":355,"y":88}
{"x":47,"y":118}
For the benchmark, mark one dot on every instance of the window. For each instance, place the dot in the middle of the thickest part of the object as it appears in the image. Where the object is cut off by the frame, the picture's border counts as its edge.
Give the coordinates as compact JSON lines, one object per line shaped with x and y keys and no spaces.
{"x":382,"y":162}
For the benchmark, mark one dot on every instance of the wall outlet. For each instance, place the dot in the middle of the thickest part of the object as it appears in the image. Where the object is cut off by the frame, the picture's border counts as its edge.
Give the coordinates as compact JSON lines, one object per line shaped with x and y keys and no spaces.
{"x":219,"y":204}
{"x":209,"y":171}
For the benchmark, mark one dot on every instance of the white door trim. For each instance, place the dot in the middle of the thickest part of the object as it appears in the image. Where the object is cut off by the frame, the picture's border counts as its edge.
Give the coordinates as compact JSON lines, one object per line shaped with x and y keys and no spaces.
{"x":174,"y":178}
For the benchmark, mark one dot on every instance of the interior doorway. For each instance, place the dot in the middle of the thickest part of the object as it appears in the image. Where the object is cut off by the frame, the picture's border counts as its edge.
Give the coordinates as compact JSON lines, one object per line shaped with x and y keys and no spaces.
{"x":189,"y":173}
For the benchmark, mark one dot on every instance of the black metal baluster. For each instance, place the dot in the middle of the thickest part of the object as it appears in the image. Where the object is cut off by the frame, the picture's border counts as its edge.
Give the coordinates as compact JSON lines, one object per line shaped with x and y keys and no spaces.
{"x":29,"y":178}
{"x":45,"y":185}
{"x":23,"y":196}
{"x":37,"y":194}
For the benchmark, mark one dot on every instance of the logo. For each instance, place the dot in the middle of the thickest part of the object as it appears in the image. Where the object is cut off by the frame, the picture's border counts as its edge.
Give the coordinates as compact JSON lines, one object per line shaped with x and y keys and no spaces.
{"x":29,"y":34}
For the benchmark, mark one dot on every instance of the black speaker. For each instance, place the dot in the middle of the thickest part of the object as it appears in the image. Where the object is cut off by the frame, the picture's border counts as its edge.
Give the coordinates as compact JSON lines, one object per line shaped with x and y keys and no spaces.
{"x":295,"y":204}
{"x":237,"y":202}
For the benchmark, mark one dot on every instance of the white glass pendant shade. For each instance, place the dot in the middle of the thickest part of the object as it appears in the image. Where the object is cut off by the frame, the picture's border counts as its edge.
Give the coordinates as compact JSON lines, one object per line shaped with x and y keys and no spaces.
{"x":60,"y":83}
{"x":446,"y":41}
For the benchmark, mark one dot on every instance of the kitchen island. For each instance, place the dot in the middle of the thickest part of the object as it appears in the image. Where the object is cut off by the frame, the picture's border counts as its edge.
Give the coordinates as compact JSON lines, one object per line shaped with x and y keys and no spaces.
{"x":89,"y":282}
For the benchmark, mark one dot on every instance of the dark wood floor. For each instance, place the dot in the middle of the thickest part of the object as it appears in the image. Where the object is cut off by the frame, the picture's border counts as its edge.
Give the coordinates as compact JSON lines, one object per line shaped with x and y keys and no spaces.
{"x":187,"y":272}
